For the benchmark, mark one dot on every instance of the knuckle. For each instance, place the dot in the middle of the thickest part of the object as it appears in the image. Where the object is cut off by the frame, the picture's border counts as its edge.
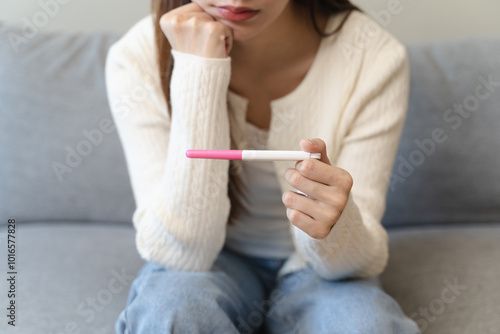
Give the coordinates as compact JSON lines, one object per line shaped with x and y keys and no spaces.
{"x":293,"y":215}
{"x":320,"y":233}
{"x":214,"y":28}
{"x":314,"y":235}
{"x":349,"y":182}
{"x":193,"y":22}
{"x":339,"y":201}
{"x":307,"y":166}
{"x":164,"y":20}
{"x":346,"y":179}
{"x":175,"y":20}
{"x":210,"y":26}
{"x":168,"y":22}
{"x":288,"y":198}
{"x":296,"y":178}
{"x":315,"y":187}
{"x":334,"y":216}
{"x":345,"y":199}
{"x":323,"y":232}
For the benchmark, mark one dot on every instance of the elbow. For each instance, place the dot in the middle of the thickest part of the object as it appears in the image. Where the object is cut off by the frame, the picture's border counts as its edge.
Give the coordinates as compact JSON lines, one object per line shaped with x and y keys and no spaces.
{"x":155,"y":242}
{"x":378,"y":262}
{"x":366,"y":267}
{"x":174,"y":256}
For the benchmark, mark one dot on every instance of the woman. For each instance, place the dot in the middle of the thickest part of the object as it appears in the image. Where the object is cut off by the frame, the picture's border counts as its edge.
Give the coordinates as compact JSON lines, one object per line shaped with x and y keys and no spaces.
{"x":215,"y":75}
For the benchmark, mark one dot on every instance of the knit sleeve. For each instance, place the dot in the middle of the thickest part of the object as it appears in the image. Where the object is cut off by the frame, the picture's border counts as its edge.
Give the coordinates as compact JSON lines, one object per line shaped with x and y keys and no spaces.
{"x":182,"y":204}
{"x":357,"y":245}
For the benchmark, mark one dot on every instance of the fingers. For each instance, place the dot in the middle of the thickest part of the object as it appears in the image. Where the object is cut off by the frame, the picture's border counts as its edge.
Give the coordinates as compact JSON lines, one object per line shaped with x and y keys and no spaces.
{"x":315,"y":145}
{"x":327,"y":186}
{"x":320,"y":172}
{"x":189,"y":9}
{"x":308,"y":224}
{"x":309,"y":206}
{"x":228,"y":39}
{"x":334,"y":196}
{"x":191,"y":30}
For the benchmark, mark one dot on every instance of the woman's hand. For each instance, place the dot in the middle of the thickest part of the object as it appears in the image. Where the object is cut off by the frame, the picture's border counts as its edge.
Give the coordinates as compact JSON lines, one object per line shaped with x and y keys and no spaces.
{"x":327,"y":186}
{"x":191,"y":30}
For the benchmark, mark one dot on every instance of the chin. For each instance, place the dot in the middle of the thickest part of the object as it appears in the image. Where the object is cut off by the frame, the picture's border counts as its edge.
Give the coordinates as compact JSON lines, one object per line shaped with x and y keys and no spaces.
{"x":242,"y":35}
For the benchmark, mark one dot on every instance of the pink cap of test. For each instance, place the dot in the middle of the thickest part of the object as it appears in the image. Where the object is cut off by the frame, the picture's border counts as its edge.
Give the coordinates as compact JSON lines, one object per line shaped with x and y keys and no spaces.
{"x":215,"y":154}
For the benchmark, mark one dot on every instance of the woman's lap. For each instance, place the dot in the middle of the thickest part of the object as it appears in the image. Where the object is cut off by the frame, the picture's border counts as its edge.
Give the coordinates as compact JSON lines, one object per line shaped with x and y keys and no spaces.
{"x":309,"y":304}
{"x":163,"y":301}
{"x":239,"y":295}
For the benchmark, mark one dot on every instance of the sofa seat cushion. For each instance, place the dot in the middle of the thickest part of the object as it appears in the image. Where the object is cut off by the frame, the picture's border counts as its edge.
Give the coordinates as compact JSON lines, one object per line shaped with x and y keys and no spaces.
{"x":446,"y":278}
{"x":72,"y":277}
{"x":77,"y":275}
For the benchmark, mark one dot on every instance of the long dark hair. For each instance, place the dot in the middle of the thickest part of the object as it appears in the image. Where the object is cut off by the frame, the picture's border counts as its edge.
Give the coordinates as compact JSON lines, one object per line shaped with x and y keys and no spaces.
{"x":236,"y":186}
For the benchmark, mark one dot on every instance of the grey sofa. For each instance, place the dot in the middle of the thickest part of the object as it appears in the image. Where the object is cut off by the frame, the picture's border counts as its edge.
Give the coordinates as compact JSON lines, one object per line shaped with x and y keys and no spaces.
{"x":64,"y":180}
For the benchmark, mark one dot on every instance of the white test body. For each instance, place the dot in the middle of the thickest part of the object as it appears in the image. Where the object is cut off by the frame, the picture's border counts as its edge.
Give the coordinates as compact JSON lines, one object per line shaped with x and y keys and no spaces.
{"x":264,"y":155}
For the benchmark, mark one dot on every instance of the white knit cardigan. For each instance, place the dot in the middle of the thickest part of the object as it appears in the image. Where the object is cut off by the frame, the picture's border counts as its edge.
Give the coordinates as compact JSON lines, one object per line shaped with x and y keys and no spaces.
{"x":354,"y":98}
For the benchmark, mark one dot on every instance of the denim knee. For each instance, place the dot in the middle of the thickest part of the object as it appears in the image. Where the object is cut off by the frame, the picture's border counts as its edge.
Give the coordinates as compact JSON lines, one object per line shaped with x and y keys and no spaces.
{"x":377,"y":312}
{"x":310,"y":304}
{"x":163,"y":301}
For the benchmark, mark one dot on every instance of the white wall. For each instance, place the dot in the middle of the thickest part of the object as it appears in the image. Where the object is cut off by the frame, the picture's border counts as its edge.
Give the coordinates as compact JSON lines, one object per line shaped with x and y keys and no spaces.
{"x":414,"y":20}
{"x":76,"y":15}
{"x":424,"y":20}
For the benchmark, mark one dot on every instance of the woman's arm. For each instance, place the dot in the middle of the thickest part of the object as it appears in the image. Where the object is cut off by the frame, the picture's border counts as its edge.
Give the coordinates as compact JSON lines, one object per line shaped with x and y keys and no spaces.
{"x":358,"y":244}
{"x":182,"y":204}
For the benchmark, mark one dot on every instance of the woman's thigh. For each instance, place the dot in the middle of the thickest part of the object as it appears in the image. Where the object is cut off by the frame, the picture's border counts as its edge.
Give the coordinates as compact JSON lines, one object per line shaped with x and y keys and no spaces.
{"x":216,"y":301}
{"x":305,"y":303}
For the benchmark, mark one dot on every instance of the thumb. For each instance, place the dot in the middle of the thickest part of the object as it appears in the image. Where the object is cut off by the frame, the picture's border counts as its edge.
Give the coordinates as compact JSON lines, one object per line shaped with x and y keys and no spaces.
{"x":228,"y":40}
{"x":315,"y":145}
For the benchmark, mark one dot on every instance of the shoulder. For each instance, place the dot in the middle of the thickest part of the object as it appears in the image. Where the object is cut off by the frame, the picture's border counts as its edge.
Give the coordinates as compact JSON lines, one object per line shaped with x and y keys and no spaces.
{"x":363,"y":56}
{"x":131,"y":65}
{"x":364,"y":61}
{"x":136,"y":46}
{"x":364,"y":39}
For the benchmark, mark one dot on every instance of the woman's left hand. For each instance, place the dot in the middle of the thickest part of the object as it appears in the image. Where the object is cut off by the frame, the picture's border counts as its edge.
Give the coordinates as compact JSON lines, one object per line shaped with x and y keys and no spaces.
{"x":327,"y":186}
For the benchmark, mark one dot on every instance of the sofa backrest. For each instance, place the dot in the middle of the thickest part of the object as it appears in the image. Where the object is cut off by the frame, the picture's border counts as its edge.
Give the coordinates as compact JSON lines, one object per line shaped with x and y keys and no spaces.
{"x":447,"y":169}
{"x":60,"y":158}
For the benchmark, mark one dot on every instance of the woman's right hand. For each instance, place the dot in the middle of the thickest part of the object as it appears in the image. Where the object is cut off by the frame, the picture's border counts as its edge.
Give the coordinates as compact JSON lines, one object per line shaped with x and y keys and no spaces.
{"x":189,"y":29}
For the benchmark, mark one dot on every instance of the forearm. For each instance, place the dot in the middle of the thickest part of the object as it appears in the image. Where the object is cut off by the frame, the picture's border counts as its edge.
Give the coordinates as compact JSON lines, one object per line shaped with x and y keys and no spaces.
{"x":183,"y":226}
{"x":354,"y":248}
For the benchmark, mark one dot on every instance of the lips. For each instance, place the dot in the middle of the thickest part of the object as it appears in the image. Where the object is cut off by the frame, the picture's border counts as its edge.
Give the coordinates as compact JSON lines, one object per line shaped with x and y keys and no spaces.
{"x":237,"y":9}
{"x":236,"y":14}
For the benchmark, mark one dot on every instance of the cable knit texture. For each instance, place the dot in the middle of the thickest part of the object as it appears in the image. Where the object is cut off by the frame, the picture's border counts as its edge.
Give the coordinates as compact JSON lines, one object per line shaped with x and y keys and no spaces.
{"x":354,"y":97}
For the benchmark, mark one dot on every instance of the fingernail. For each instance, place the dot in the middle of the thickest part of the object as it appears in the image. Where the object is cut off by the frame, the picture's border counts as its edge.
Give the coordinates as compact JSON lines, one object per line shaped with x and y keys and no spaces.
{"x":310,"y":141}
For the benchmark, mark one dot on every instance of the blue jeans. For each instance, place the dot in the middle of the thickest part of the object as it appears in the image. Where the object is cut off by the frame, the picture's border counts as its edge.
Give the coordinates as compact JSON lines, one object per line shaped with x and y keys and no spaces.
{"x":240,"y":294}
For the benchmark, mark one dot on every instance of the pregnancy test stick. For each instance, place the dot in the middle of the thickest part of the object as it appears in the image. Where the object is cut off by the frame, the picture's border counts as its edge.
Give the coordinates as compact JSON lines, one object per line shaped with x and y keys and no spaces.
{"x":255,"y":155}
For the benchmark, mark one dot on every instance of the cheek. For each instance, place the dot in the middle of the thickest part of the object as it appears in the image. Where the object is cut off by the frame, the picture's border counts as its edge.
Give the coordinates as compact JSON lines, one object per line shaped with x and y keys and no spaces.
{"x":201,"y":3}
{"x":277,"y":7}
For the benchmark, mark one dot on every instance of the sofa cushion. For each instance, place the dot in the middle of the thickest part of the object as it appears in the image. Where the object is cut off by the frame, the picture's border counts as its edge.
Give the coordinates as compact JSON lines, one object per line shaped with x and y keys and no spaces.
{"x":72,"y":278}
{"x":448,"y":164}
{"x":68,"y":268}
{"x":61,"y":157}
{"x":446,"y":278}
